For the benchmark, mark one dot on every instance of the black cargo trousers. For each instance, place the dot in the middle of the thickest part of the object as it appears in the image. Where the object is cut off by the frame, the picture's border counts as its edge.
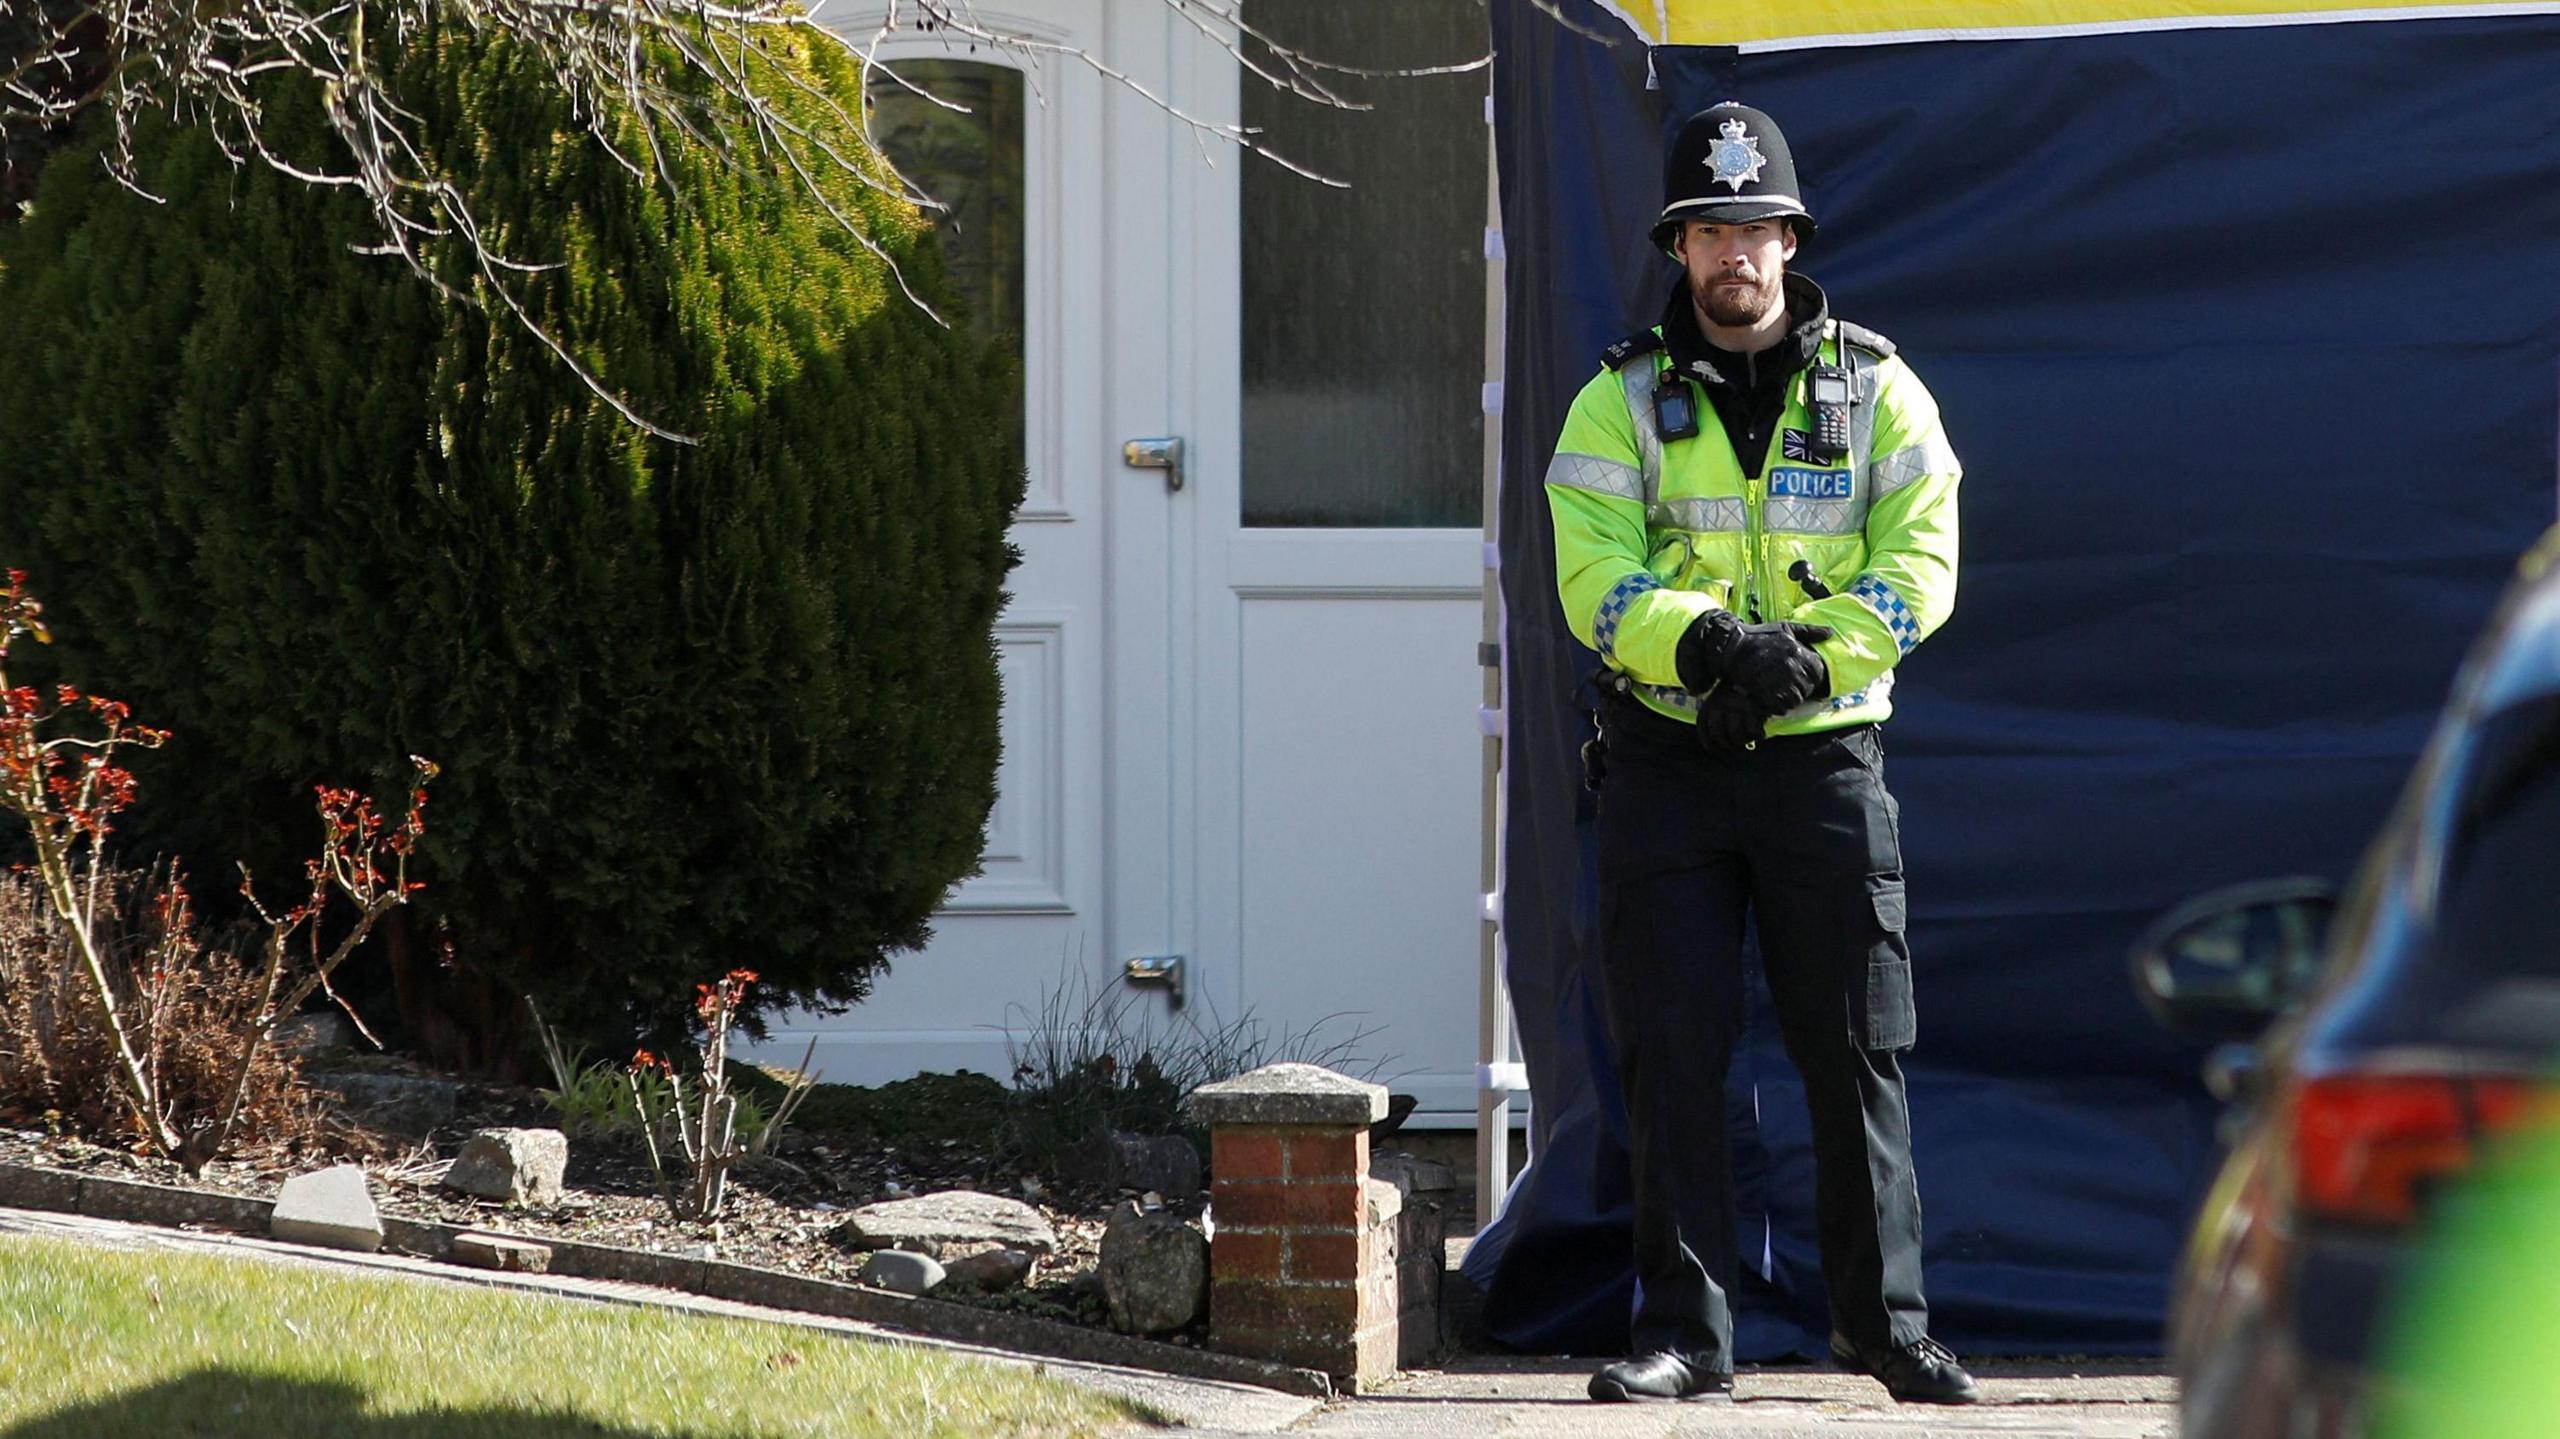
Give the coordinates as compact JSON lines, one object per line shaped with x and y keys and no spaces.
{"x":1801,"y":833}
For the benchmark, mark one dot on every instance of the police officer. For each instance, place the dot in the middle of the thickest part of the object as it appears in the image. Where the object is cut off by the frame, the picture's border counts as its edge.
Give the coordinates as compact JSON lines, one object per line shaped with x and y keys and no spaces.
{"x":1755,"y":522}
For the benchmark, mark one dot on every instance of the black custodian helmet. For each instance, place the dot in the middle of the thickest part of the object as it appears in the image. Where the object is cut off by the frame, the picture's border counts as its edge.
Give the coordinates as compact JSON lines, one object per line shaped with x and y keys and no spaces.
{"x":1729,"y":164}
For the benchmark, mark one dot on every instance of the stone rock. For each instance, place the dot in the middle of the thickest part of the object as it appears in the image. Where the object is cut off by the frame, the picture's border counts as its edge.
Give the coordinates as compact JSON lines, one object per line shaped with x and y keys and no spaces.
{"x":1289,"y":1094}
{"x":330,"y":1208}
{"x":519,"y":1166}
{"x":1384,"y":1200}
{"x":953,"y":1217}
{"x":408,"y":1104}
{"x":1155,"y":1271}
{"x":1414,"y":1176}
{"x":991,"y":1270}
{"x":1165,"y":1163}
{"x":501,"y":1251}
{"x":1086,"y":1158}
{"x":900,"y":1272}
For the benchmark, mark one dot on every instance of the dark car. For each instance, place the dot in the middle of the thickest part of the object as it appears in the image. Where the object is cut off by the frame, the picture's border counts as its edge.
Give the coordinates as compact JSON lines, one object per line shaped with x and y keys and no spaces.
{"x":2371,"y":1046}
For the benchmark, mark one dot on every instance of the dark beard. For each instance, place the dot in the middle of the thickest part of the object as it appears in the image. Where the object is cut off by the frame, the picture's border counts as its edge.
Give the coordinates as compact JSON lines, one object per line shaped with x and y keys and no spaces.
{"x":1736,"y":308}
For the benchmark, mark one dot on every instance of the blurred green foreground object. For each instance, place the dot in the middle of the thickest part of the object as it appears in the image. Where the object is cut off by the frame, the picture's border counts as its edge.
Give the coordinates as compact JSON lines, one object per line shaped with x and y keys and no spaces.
{"x":2470,"y":1352}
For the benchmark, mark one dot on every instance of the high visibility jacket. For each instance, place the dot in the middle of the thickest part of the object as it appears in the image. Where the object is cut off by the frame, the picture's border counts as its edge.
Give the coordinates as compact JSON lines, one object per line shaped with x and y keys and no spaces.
{"x":1651,"y":534}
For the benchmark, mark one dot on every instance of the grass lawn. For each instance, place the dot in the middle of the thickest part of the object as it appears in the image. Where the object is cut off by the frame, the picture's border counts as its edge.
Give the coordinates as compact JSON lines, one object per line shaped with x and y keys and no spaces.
{"x":101,"y":1344}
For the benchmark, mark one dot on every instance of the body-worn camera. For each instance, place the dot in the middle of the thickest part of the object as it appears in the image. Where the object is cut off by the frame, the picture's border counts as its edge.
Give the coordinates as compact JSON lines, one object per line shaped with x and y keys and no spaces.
{"x":1675,"y":409}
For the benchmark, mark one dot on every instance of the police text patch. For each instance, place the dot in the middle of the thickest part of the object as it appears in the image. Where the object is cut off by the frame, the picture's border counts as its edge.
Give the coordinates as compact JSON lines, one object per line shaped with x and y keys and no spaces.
{"x":1794,"y":484}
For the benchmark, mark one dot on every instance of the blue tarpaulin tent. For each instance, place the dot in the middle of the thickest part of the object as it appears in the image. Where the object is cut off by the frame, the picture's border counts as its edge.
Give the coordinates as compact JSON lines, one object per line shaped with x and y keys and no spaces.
{"x":2247,"y":328}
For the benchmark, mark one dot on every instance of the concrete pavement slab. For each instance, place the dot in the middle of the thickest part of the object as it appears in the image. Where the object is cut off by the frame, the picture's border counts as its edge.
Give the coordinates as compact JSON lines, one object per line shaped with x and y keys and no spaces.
{"x":1497,"y":1398}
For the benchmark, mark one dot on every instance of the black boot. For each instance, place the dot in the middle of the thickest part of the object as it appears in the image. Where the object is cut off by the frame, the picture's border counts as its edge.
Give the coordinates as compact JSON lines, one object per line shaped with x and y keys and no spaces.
{"x":1920,"y":1372}
{"x":1659,"y":1376}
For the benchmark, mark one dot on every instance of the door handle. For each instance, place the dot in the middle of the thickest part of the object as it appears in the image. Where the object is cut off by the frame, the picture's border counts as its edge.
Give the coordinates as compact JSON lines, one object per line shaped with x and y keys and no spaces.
{"x":1159,"y":971}
{"x":1158,"y":454}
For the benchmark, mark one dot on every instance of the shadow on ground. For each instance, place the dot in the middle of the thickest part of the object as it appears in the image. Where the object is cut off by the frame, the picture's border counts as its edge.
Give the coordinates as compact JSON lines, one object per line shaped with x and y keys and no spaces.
{"x":234,"y":1404}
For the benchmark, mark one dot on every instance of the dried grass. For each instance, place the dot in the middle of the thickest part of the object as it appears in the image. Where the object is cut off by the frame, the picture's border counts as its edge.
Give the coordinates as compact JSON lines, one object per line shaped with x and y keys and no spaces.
{"x":190,"y":1003}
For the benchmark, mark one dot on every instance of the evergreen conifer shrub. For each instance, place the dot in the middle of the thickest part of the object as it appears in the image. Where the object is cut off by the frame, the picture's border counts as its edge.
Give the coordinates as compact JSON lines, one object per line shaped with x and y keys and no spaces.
{"x":697,"y":706}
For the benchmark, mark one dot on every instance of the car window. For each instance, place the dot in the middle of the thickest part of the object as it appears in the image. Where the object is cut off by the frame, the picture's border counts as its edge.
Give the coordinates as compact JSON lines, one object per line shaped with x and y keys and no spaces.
{"x":2498,"y":910}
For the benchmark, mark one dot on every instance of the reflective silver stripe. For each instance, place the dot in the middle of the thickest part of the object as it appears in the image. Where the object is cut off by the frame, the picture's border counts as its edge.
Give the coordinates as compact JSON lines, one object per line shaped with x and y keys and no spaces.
{"x":1701,"y":516}
{"x":1932,"y":456}
{"x":1878,"y":690}
{"x":1817,"y":517}
{"x":1638,"y":380}
{"x":1590,"y":472}
{"x":1862,"y":419}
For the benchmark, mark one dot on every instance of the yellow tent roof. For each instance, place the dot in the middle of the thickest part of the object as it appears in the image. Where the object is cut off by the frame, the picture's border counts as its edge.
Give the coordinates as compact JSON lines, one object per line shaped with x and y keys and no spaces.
{"x":1797,"y":24}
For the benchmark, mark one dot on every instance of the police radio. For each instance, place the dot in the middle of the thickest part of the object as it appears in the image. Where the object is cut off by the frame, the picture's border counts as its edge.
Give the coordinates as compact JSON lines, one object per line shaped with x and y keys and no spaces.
{"x":1826,"y":398}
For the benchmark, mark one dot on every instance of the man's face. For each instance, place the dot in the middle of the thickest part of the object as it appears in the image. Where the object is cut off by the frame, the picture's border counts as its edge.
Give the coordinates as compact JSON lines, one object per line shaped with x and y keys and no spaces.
{"x":1734,"y":270}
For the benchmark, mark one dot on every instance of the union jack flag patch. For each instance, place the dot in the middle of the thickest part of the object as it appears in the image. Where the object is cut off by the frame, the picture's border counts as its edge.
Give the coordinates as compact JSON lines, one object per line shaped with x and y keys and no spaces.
{"x":1795,"y":444}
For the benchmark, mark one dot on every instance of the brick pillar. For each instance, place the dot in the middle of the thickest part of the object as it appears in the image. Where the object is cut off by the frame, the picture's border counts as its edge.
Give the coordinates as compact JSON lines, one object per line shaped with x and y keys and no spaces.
{"x":1302,"y":1256}
{"x":1425,"y":1187}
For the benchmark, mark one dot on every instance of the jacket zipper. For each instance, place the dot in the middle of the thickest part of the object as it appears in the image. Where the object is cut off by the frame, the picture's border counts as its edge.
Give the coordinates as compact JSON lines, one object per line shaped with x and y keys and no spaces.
{"x":1751,"y":591}
{"x":1755,"y":489}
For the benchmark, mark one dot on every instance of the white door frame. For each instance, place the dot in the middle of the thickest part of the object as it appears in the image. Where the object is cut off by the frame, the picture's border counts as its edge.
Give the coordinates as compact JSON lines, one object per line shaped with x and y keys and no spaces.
{"x":1157,"y":650}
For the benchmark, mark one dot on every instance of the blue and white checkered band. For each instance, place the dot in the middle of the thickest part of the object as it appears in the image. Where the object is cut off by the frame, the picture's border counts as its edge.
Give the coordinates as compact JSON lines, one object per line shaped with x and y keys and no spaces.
{"x":1671,"y":697}
{"x":1889,"y":607}
{"x":1613,"y":608}
{"x":1878,"y":690}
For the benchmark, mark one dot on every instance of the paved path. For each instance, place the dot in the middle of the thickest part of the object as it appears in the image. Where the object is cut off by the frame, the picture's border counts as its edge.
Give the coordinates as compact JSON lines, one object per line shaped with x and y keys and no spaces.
{"x":1534,"y":1399}
{"x":1478,"y":1398}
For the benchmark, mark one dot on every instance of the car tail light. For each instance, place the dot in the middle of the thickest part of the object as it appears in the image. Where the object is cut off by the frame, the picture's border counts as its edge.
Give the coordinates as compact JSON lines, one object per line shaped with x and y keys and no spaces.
{"x":2368,"y":1147}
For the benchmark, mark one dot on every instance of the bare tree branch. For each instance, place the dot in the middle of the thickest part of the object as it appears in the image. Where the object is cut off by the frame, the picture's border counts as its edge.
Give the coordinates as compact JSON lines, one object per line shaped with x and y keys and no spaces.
{"x":636,"y":74}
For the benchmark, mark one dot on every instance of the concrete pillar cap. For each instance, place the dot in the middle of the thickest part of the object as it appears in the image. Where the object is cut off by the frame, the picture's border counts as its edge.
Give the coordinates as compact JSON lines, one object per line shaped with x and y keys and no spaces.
{"x":1289,"y":1094}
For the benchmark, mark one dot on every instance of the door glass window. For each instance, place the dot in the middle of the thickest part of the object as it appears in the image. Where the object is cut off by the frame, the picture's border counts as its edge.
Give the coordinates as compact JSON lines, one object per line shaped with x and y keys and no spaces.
{"x":970,"y":159}
{"x":2496,"y":914}
{"x":1364,"y":307}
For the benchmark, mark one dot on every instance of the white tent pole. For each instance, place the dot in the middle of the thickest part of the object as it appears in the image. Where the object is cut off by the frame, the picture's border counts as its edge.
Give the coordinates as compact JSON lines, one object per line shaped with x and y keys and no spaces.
{"x":1497,"y":1074}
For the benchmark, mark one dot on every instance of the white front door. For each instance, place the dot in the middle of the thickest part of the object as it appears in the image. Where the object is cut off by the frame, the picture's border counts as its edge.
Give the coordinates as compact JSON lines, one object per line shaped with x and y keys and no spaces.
{"x":1338,"y":584}
{"x":1027,"y":149}
{"x":1240,"y":716}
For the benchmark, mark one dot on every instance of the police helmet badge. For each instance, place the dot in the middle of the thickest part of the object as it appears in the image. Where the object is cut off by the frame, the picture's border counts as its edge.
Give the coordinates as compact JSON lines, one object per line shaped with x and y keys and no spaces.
{"x":1735,"y":156}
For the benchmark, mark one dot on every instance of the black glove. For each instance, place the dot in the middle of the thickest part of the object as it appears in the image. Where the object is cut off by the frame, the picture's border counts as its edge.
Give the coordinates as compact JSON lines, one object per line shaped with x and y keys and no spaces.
{"x":1774,"y":666}
{"x":1727,"y":722}
{"x":1706,"y":647}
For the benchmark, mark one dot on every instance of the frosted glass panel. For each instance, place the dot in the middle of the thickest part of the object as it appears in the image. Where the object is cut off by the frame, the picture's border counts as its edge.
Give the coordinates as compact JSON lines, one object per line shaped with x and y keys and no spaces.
{"x":1364,"y":308}
{"x":971,"y":162}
